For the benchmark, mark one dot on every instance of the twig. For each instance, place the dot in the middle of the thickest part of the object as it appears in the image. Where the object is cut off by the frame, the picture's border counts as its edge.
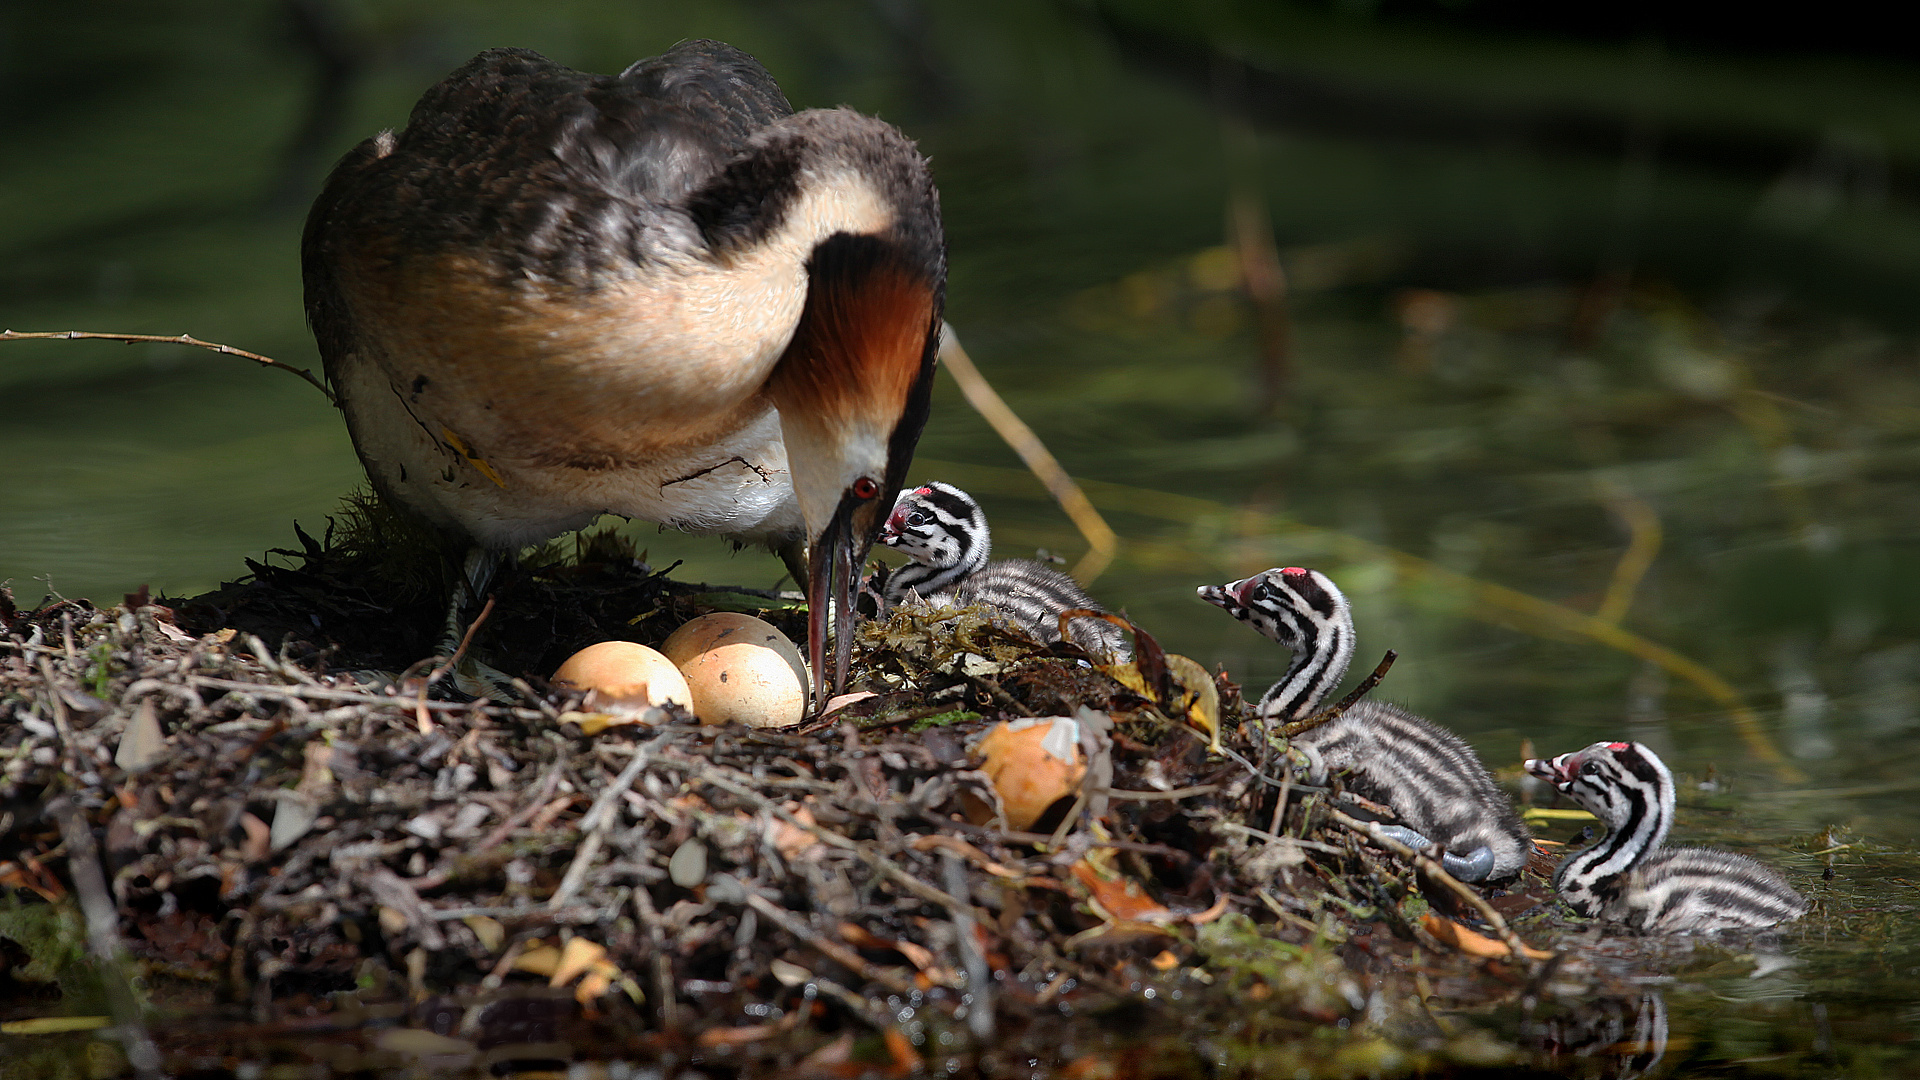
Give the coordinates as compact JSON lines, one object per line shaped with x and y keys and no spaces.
{"x":1333,"y":711}
{"x":420,"y":703}
{"x":1643,"y":544}
{"x":519,"y":817}
{"x":322,"y":693}
{"x":1516,"y":949}
{"x":164,"y":339}
{"x":827,"y":836}
{"x":832,"y":950}
{"x":979,"y":977}
{"x":103,"y":937}
{"x":595,"y":825}
{"x":1101,"y":541}
{"x":1149,"y":796}
{"x":1272,"y":838}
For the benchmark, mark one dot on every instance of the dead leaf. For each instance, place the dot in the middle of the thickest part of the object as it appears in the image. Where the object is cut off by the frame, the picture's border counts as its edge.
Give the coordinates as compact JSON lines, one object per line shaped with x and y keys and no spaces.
{"x":259,"y":842}
{"x":576,"y":958}
{"x":1471,"y":942}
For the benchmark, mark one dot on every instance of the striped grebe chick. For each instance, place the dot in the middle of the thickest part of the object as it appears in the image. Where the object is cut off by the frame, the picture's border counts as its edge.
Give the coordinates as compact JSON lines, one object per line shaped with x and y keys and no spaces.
{"x":944,"y":532}
{"x":1629,"y":878}
{"x":1428,"y":775}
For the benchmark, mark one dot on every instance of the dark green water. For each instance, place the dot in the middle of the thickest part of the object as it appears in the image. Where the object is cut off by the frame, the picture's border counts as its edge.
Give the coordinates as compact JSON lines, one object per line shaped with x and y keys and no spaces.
{"x":1752,"y":394}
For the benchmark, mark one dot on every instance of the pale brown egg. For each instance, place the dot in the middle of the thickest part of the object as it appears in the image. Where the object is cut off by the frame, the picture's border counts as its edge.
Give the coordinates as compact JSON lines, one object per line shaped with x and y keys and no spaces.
{"x":1032,"y":764}
{"x":626,"y":673}
{"x":746,"y":682}
{"x":731,"y":628}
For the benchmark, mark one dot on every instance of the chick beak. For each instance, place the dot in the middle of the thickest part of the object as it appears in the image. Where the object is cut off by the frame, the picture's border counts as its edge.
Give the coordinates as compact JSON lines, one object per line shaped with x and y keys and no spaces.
{"x":833,"y":563}
{"x":1554,"y":771}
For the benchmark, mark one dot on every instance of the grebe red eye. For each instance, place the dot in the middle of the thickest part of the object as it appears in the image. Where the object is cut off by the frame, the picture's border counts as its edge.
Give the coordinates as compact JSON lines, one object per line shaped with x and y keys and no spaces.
{"x":865,"y":488}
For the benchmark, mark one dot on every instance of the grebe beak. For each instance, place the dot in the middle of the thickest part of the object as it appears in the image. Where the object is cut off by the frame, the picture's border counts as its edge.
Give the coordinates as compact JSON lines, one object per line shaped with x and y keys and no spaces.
{"x":833,"y":565}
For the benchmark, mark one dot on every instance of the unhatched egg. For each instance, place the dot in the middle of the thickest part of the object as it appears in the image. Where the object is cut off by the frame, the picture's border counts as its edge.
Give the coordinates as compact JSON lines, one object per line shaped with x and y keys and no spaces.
{"x":740,"y":670}
{"x":625,"y":672}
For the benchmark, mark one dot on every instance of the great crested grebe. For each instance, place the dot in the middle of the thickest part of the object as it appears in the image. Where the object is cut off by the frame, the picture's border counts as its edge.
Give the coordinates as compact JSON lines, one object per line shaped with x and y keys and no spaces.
{"x":944,"y":531}
{"x":1427,"y":775}
{"x":1629,"y":878}
{"x":662,"y":294}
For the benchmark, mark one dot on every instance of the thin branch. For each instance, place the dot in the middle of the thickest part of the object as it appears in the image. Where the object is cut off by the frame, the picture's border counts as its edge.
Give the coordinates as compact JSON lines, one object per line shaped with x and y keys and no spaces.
{"x":1643,"y":545}
{"x":832,"y":950}
{"x":595,"y":827}
{"x":164,"y":339}
{"x":1333,"y":712}
{"x":420,"y":703}
{"x":1516,"y":949}
{"x":102,"y":917}
{"x":1102,"y":543}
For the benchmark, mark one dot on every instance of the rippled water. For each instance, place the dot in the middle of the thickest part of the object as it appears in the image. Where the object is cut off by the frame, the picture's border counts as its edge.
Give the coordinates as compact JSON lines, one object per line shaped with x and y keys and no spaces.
{"x":1465,"y":410}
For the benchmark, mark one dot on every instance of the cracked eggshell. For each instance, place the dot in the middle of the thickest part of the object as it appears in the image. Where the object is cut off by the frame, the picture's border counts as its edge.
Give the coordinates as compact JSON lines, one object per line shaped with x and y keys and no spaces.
{"x":1032,"y":764}
{"x":625,"y":672}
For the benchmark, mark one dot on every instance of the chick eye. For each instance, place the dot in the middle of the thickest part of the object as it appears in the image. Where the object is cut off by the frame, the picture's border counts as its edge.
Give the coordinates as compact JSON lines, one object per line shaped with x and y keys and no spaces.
{"x":1590,"y":768}
{"x":918,"y":517}
{"x":865,"y":488}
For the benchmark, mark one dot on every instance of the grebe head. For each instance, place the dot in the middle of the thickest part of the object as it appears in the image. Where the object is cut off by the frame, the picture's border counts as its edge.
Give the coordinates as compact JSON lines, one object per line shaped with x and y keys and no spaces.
{"x":1613,"y":780}
{"x":1288,"y":604}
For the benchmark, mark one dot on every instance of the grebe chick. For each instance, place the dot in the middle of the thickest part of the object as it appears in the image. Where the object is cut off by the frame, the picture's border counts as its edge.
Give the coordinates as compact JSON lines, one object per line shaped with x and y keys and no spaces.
{"x":1428,"y":775}
{"x":944,"y":532}
{"x":1629,"y":878}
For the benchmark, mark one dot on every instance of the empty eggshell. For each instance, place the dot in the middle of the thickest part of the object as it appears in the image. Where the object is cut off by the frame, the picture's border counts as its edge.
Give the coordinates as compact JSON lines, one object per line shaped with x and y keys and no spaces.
{"x":625,"y":672}
{"x":732,"y":628}
{"x":748,"y":683}
{"x":1032,"y":764}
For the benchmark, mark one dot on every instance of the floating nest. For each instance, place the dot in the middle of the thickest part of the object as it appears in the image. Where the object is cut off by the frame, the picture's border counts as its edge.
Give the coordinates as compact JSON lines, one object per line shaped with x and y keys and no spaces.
{"x":297,"y":856}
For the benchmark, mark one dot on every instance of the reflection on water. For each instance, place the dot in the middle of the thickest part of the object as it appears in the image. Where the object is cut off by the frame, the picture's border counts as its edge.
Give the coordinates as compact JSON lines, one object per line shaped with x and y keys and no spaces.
{"x":1624,"y":1037}
{"x":1716,"y":451}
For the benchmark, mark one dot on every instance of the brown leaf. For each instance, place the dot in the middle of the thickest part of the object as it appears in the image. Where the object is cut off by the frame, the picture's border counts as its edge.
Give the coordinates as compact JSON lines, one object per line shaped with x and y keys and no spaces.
{"x":1471,"y":942}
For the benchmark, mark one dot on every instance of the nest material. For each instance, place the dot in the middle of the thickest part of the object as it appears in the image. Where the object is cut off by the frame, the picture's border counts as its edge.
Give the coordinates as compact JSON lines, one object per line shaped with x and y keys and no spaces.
{"x":293,"y":850}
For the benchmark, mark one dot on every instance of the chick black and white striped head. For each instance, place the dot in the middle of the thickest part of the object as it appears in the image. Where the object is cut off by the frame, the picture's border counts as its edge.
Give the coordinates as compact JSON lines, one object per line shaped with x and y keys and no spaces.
{"x":1621,"y":783}
{"x":943,"y":531}
{"x":1304,"y":611}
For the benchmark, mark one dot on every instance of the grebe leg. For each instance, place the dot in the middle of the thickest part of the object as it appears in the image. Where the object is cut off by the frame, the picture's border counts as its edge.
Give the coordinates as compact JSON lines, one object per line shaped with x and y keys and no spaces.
{"x":1473,"y":867}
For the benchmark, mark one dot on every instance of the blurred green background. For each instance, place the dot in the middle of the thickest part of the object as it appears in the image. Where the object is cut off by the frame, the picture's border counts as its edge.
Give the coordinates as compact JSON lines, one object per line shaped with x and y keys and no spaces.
{"x":1613,"y":311}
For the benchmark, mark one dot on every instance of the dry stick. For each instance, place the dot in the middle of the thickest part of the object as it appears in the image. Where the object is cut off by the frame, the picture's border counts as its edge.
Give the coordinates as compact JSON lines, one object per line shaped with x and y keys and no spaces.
{"x":1275,"y":838}
{"x":1333,"y":712}
{"x":547,"y":786}
{"x":356,"y":697}
{"x":1516,"y":949}
{"x":832,"y":950}
{"x":177,"y":339}
{"x":103,"y":937}
{"x":827,"y":836}
{"x":1643,"y":544}
{"x":420,"y":703}
{"x":979,"y":976}
{"x":595,"y":825}
{"x":1101,"y":541}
